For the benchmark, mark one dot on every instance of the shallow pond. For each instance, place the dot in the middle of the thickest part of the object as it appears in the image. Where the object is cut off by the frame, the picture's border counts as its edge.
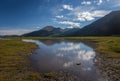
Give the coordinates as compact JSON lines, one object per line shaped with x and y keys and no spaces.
{"x":72,"y":56}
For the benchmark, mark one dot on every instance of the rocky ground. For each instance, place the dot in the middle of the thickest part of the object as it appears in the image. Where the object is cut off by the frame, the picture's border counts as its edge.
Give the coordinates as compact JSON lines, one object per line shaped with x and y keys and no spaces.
{"x":59,"y":76}
{"x":109,"y":68}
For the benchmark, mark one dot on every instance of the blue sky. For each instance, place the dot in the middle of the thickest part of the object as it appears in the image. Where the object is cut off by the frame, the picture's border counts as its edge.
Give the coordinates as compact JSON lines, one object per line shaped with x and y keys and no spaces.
{"x":21,"y":16}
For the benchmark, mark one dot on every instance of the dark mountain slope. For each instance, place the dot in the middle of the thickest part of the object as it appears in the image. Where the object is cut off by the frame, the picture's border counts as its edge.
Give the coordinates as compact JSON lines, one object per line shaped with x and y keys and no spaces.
{"x":46,"y":31}
{"x":70,"y":32}
{"x":106,"y":26}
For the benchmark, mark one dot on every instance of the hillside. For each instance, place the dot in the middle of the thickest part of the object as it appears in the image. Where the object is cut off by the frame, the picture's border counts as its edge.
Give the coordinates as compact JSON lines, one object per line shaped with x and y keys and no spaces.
{"x":106,"y":26}
{"x":46,"y":31}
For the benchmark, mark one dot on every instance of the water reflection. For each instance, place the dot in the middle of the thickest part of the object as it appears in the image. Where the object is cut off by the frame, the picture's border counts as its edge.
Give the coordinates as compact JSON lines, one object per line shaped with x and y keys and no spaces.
{"x":64,"y":55}
{"x":50,"y":41}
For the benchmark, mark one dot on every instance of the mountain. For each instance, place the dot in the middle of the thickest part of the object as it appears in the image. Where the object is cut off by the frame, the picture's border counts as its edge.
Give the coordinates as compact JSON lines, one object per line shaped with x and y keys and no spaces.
{"x":107,"y":26}
{"x":46,"y":31}
{"x":69,"y":32}
{"x":66,"y":29}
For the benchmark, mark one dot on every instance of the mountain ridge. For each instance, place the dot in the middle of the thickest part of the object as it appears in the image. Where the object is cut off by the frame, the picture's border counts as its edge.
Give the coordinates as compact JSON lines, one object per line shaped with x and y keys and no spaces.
{"x":46,"y":31}
{"x":106,"y":26}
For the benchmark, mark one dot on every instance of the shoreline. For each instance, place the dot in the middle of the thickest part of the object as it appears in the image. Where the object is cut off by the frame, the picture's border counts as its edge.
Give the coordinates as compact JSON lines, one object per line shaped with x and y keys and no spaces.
{"x":22,"y":70}
{"x":108,"y":59}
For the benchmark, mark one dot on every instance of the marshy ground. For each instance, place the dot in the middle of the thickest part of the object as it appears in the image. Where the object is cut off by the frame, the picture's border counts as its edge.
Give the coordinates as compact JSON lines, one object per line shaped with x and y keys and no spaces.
{"x":16,"y":66}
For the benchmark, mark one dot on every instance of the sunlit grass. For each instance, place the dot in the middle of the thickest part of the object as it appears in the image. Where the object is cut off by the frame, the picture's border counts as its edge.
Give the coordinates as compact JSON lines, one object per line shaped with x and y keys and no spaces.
{"x":109,"y":46}
{"x":14,"y":63}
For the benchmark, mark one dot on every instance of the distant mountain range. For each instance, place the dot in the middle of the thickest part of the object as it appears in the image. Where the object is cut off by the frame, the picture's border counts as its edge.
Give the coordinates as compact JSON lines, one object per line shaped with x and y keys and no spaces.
{"x":107,"y":26}
{"x":46,"y":31}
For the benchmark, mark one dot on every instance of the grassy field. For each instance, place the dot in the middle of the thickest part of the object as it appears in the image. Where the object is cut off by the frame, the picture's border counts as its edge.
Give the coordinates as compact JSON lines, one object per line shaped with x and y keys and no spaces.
{"x":14,"y":62}
{"x":109,"y":46}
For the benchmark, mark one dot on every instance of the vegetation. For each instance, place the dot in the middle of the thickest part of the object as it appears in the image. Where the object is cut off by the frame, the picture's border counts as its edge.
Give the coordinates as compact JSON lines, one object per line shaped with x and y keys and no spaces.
{"x":109,"y":46}
{"x":14,"y":63}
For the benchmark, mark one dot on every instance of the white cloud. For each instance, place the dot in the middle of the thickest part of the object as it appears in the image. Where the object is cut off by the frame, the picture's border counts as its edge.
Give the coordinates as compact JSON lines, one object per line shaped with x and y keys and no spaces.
{"x":73,"y":24}
{"x":85,"y":16}
{"x":80,"y":18}
{"x":100,"y":2}
{"x":59,"y":16}
{"x":14,"y":32}
{"x":82,"y":13}
{"x":90,"y":15}
{"x":86,"y":3}
{"x":100,"y":13}
{"x":68,"y":7}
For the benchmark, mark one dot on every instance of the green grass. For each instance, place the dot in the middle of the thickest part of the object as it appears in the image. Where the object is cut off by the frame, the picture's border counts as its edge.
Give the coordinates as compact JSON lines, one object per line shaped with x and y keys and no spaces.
{"x":14,"y":63}
{"x":109,"y":46}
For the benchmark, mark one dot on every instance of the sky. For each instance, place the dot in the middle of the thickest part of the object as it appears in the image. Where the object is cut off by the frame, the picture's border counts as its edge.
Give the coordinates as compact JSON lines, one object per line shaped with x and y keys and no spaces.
{"x":22,"y":16}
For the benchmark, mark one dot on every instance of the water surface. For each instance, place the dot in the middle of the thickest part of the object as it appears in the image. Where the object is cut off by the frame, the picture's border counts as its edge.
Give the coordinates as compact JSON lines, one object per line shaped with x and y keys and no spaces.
{"x":59,"y":55}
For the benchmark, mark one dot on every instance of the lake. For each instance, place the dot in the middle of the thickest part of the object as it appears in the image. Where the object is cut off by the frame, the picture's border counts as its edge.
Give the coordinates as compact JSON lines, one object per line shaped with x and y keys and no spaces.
{"x":72,"y":56}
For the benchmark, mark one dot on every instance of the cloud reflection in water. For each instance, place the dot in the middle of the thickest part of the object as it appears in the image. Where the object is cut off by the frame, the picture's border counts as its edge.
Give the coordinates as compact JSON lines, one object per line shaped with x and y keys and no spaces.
{"x":64,"y":55}
{"x":79,"y":52}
